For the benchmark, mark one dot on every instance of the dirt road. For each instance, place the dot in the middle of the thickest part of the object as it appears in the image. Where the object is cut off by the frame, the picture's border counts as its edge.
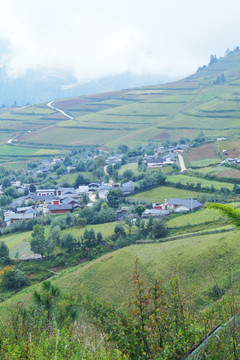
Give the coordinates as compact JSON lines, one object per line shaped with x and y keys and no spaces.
{"x":181,"y":162}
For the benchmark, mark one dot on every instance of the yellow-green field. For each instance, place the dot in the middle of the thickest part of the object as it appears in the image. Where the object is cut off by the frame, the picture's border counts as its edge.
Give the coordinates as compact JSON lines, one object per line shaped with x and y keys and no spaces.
{"x":106,"y":229}
{"x":15,"y":150}
{"x":199,"y":217}
{"x":185,"y":179}
{"x":161,"y":193}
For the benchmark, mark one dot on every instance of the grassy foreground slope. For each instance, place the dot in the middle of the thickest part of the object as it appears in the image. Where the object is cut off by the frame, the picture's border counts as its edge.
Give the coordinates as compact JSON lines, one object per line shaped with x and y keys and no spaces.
{"x":199,"y":262}
{"x":148,"y":114}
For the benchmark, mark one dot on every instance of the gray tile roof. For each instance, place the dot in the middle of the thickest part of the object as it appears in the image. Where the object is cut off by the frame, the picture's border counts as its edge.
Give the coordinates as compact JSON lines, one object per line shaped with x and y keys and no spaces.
{"x":60,"y":207}
{"x":68,"y":200}
{"x":191,"y":204}
{"x":40,"y":197}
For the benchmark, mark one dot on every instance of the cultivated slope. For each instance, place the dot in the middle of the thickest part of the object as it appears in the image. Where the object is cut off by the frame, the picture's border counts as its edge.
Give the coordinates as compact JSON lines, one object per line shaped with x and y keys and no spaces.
{"x":136,"y":116}
{"x":153,"y":113}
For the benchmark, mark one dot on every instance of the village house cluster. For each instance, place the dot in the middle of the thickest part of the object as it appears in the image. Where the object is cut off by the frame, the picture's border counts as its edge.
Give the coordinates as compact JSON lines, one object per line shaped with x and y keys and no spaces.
{"x":60,"y":201}
{"x":64,"y":200}
{"x":172,"y":205}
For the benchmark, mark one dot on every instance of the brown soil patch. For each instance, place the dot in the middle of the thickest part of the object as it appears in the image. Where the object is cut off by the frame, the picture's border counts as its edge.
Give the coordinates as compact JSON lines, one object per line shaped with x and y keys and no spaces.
{"x":58,"y":268}
{"x":83,"y":261}
{"x":56,"y":116}
{"x":231,"y":173}
{"x":162,"y":136}
{"x":32,"y":275}
{"x":66,"y":104}
{"x":107,"y":95}
{"x":109,"y":258}
{"x":233,"y":153}
{"x":206,"y":151}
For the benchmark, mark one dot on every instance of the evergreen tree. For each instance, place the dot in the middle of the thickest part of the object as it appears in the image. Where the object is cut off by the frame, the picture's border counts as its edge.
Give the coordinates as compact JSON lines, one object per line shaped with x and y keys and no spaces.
{"x":4,"y":253}
{"x":38,"y":242}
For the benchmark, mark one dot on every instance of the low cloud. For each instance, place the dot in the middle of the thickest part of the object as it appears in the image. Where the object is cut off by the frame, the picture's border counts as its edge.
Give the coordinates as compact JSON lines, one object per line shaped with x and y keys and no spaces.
{"x":94,"y":39}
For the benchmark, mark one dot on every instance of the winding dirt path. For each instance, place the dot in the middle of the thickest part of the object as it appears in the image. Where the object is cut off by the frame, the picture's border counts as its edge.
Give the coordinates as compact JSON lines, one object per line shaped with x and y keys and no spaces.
{"x":59,"y":110}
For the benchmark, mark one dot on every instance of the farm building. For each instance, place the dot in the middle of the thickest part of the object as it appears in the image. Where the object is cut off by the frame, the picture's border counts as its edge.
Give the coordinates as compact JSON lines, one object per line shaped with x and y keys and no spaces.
{"x":178,"y":205}
{"x":154,"y":213}
{"x":40,"y":199}
{"x":11,"y":217}
{"x":122,"y":213}
{"x":44,"y":192}
{"x":72,"y":202}
{"x":67,"y":192}
{"x":128,"y":187}
{"x":60,"y":209}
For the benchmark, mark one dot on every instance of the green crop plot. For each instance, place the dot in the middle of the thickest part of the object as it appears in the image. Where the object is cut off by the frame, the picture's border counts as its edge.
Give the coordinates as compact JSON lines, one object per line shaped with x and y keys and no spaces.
{"x":199,"y":217}
{"x":34,"y":110}
{"x":165,"y":192}
{"x":185,"y":179}
{"x":106,"y":229}
{"x":71,"y":136}
{"x":132,"y":166}
{"x":16,"y":150}
{"x":205,"y":162}
{"x":13,"y":150}
{"x":220,"y":171}
{"x":18,"y":243}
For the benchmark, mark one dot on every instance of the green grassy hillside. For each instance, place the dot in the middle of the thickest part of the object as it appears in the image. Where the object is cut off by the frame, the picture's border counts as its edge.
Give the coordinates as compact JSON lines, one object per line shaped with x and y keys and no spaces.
{"x":199,"y":262}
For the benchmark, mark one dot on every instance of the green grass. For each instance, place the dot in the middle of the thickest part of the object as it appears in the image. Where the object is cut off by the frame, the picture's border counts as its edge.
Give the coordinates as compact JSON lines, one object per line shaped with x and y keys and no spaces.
{"x":35,"y":110}
{"x":205,"y":162}
{"x":16,"y":150}
{"x":185,"y":179}
{"x":165,"y":192}
{"x":69,"y":178}
{"x":19,"y":242}
{"x":221,"y":171}
{"x":211,"y":170}
{"x":71,"y":136}
{"x":199,"y":261}
{"x":131,"y":166}
{"x":199,"y":217}
{"x":12,"y":150}
{"x":106,"y":229}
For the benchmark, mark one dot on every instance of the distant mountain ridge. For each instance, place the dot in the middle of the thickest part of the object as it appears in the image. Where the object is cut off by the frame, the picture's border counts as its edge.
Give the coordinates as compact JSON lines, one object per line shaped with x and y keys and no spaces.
{"x":38,"y":86}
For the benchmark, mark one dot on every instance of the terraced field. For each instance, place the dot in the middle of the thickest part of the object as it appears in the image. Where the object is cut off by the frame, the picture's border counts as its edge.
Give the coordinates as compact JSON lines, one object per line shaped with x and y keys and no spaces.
{"x":13,"y":151}
{"x":138,"y":116}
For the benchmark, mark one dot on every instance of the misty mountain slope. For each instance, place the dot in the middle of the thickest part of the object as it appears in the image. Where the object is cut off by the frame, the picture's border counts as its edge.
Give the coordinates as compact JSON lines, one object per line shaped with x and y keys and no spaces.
{"x":207,"y":101}
{"x":36,"y":86}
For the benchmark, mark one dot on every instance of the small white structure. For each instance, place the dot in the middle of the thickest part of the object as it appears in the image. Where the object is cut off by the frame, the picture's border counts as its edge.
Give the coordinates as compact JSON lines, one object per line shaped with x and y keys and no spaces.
{"x":43,"y":192}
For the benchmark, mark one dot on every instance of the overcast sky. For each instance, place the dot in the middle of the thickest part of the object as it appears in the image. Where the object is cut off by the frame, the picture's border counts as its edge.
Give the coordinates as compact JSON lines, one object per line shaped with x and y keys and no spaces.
{"x":97,"y":38}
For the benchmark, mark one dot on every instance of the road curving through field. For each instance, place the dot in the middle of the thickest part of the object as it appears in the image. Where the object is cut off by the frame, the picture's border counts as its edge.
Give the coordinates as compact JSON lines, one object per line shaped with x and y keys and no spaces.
{"x":59,"y":110}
